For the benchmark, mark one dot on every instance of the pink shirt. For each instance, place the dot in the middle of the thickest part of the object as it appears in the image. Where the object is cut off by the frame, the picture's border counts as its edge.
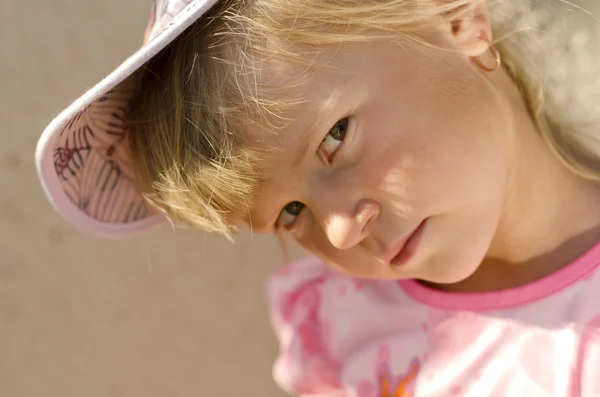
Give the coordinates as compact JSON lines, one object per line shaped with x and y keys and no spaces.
{"x":345,"y":337}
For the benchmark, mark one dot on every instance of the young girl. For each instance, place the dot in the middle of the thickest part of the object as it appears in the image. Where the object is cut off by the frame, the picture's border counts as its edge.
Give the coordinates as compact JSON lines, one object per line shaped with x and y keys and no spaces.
{"x":440,"y":158}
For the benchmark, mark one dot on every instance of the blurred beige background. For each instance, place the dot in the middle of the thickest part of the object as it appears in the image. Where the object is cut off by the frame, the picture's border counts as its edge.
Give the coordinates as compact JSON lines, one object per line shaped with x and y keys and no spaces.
{"x":170,"y":314}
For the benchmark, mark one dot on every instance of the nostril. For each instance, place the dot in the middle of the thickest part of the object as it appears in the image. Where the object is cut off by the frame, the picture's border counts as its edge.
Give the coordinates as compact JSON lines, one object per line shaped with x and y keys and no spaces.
{"x":367,"y":225}
{"x":367,"y":213}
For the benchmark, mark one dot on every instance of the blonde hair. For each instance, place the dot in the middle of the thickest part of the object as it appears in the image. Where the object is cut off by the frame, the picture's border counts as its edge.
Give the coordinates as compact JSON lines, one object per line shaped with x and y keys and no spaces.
{"x":189,"y":151}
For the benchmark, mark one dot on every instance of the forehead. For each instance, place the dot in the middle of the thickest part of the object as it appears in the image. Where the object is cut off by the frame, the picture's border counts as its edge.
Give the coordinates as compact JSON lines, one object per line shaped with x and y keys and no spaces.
{"x":293,"y":93}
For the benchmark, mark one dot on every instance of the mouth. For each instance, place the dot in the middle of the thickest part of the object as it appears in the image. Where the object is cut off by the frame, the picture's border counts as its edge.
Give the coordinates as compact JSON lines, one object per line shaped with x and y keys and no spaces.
{"x":406,"y":248}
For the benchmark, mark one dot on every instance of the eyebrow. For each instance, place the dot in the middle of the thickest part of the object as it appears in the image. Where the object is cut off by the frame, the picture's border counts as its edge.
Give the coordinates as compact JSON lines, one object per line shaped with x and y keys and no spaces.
{"x":330,"y":103}
{"x":306,"y":140}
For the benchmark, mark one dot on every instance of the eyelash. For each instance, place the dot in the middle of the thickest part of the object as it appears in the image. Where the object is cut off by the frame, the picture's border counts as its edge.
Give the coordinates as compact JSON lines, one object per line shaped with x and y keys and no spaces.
{"x":327,"y":157}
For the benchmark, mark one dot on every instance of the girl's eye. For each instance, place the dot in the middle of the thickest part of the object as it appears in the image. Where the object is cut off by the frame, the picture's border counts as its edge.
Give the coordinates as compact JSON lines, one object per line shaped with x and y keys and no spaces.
{"x":289,"y":213}
{"x":334,"y":139}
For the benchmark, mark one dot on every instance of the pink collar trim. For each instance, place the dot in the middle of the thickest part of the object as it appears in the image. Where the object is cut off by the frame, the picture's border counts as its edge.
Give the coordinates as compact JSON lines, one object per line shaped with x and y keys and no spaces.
{"x":508,"y":298}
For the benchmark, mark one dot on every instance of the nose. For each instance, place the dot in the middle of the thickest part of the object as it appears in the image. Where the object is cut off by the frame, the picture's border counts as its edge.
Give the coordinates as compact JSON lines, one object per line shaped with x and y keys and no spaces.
{"x":346,"y":228}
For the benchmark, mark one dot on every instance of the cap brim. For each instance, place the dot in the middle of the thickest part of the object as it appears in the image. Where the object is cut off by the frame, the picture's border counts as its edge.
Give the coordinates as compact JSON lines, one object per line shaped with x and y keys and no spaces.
{"x":76,"y":209}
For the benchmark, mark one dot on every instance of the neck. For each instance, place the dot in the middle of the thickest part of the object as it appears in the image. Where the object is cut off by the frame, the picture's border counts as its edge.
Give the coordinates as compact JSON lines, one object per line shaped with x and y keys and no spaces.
{"x":551,"y":216}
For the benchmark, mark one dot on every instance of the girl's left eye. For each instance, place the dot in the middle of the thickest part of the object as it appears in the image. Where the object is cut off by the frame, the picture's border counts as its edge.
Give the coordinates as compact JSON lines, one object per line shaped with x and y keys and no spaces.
{"x":334,"y":139}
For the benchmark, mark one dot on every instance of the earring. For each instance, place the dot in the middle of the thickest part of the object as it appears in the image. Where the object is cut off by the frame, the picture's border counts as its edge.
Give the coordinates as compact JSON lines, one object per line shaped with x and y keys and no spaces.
{"x":486,"y":68}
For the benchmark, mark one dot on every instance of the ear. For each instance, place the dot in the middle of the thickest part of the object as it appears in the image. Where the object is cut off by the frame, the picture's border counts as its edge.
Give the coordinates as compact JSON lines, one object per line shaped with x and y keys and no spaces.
{"x":470,"y":29}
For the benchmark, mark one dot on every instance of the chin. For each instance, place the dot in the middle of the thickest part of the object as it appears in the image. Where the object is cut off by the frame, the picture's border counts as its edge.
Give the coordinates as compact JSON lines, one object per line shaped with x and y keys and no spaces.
{"x":451,"y":270}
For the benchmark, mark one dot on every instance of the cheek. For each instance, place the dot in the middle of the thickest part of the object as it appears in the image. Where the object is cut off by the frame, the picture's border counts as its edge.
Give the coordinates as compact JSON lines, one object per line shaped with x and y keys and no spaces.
{"x":434,"y":149}
{"x":396,"y":167}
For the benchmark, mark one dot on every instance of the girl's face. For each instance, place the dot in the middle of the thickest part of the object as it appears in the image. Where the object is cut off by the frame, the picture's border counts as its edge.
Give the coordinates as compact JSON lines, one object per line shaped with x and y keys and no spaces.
{"x":395,"y":168}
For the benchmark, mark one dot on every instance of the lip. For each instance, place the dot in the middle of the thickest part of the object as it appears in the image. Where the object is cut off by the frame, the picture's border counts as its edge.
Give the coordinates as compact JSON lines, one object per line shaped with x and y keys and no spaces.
{"x":405,"y":249}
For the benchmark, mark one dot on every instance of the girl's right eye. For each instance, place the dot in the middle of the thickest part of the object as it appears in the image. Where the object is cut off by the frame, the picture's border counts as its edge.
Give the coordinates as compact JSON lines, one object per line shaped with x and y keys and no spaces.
{"x":289,"y":213}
